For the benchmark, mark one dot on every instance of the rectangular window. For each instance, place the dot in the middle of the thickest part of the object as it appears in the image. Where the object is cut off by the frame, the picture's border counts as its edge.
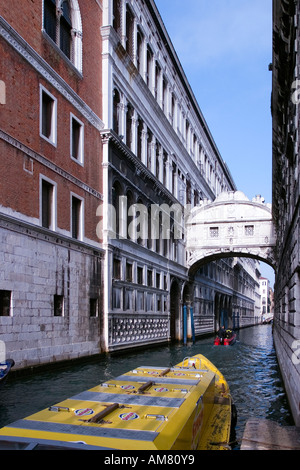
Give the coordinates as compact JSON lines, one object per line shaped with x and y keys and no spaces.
{"x":116,"y":298}
{"x":93,"y":307}
{"x":140,"y":301}
{"x":249,"y":230}
{"x":50,"y":18}
{"x":5,"y":303}
{"x":77,"y":140}
{"x":158,"y":303}
{"x":128,"y":299}
{"x":129,"y":272}
{"x":149,"y":277}
{"x":214,"y":232}
{"x":58,"y":305}
{"x":48,"y":116}
{"x":117,"y":269}
{"x":149,"y":302}
{"x":47,"y":205}
{"x":76,"y":218}
{"x":140,"y":275}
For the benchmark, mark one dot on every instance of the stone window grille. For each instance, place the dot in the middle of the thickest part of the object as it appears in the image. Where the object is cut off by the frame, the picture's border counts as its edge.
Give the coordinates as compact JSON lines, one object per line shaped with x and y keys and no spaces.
{"x":249,"y":230}
{"x":214,"y":232}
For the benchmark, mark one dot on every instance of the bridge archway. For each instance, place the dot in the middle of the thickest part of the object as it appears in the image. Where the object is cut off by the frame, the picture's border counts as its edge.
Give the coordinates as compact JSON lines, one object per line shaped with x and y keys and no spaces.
{"x":231,"y":226}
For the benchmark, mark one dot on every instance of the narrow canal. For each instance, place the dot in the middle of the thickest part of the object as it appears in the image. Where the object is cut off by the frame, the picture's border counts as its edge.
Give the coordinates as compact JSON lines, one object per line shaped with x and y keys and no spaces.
{"x":250,"y":367}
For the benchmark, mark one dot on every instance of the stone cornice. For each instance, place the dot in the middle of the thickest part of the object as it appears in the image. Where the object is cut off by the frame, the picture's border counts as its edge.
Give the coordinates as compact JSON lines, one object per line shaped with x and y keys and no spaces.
{"x":48,"y":163}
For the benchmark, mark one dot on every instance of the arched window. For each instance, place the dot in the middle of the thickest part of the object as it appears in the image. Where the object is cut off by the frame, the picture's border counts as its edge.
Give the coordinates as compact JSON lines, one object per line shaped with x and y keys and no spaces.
{"x":139,"y":50}
{"x":117,"y":23}
{"x":129,"y":126}
{"x":129,"y":32}
{"x":116,"y":216}
{"x":130,"y":218}
{"x":62,"y":23}
{"x":65,"y":29}
{"x":116,"y":111}
{"x":140,"y":138}
{"x":50,"y":18}
{"x":149,"y":149}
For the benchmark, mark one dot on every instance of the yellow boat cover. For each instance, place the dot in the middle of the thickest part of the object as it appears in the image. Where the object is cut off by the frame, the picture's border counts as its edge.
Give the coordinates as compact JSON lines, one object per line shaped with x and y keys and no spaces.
{"x":187,"y":407}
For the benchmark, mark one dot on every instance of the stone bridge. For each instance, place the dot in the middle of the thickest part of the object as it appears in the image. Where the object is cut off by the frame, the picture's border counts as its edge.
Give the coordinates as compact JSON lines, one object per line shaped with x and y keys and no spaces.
{"x":231,"y":226}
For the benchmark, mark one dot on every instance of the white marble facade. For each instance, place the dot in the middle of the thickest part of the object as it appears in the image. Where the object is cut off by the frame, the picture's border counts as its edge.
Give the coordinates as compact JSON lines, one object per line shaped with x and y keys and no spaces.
{"x":158,"y":150}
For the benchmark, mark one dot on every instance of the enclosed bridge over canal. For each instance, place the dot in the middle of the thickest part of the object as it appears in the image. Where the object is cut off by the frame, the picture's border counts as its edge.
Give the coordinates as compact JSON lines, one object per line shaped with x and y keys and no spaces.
{"x":231,"y":226}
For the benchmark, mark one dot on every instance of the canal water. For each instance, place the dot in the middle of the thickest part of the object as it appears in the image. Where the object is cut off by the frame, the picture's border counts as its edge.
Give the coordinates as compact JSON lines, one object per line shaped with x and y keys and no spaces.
{"x":250,"y":367}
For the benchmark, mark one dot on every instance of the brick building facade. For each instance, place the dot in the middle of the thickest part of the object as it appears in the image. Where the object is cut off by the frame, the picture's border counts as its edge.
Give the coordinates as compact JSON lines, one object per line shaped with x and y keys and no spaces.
{"x":51,"y":180}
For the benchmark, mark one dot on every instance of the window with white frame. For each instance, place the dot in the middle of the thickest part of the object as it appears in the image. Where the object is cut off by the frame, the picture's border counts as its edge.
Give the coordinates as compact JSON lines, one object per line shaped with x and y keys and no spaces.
{"x":77,"y":139}
{"x":62,"y":24}
{"x":47,"y":203}
{"x":48,"y":116}
{"x":76,"y":217}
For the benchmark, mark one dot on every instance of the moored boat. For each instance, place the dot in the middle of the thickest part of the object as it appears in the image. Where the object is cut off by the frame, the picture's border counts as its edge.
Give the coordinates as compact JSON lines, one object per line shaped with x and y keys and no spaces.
{"x":5,"y":368}
{"x":186,"y":407}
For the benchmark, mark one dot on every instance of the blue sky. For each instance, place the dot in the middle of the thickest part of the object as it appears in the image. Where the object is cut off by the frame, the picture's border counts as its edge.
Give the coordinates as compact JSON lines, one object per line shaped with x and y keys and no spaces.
{"x":225,"y":48}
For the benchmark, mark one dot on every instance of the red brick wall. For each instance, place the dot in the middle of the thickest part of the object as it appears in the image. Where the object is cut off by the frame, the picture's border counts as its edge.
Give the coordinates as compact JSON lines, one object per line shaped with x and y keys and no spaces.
{"x":20,"y":116}
{"x":26,"y":17}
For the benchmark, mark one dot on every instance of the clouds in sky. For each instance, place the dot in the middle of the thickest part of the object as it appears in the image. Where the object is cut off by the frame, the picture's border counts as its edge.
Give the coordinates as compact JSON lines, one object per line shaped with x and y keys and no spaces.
{"x":219,"y":30}
{"x":225,"y":47}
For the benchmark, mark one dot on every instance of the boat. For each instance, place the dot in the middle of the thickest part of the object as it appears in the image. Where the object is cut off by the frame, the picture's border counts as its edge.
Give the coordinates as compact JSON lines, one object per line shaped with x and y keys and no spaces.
{"x":186,"y":407}
{"x":5,"y":368}
{"x":227,"y":340}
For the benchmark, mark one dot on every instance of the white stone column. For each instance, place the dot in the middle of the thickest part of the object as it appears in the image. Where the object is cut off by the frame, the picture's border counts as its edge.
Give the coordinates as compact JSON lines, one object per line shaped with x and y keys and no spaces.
{"x":103,"y":230}
{"x":107,"y":12}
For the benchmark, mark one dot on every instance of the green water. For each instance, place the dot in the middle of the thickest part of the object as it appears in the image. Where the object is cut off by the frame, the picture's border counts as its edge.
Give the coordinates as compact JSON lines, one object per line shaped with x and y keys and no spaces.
{"x":249,"y":366}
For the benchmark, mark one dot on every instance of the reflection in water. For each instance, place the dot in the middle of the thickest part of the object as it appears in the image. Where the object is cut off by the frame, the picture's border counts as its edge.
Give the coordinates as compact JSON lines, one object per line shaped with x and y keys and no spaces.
{"x":250,"y":367}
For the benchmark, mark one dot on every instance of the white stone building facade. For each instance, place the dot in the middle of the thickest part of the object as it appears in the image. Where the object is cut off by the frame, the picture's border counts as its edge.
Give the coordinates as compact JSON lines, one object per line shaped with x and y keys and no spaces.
{"x":111,"y":153}
{"x":158,"y":150}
